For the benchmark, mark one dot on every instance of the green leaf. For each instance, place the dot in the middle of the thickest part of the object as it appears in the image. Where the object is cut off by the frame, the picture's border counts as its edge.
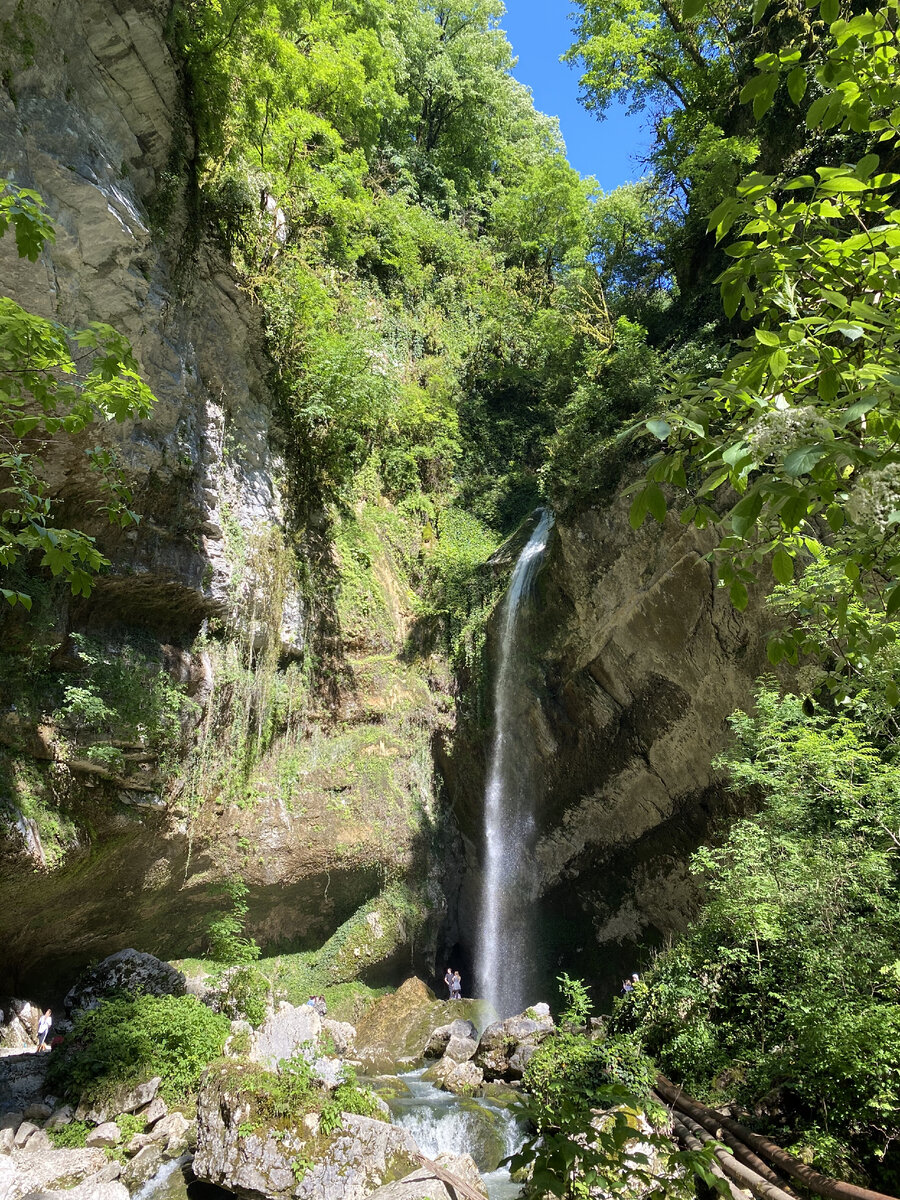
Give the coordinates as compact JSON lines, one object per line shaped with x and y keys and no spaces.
{"x":816,"y":112}
{"x":692,"y":8}
{"x":739,"y":596}
{"x":834,"y":515}
{"x":744,"y":514}
{"x":796,"y":84}
{"x":802,"y":460}
{"x":767,"y":337}
{"x":778,"y":363}
{"x":782,"y":565}
{"x":893,"y":601}
{"x":638,"y":510}
{"x":775,"y":650}
{"x":656,"y":502}
{"x":759,"y":10}
{"x":659,"y":428}
{"x":851,"y":332}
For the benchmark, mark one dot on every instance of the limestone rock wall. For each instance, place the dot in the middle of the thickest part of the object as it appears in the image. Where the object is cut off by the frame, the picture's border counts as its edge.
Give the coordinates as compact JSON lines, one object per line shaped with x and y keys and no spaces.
{"x":92,"y":117}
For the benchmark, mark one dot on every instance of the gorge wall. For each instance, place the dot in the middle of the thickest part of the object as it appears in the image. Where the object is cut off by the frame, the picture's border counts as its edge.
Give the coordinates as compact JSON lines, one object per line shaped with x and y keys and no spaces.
{"x":207,"y":585}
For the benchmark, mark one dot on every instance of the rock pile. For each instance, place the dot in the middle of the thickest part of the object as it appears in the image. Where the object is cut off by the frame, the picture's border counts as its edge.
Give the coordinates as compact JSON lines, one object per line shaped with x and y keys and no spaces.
{"x":29,"y":1161}
{"x":465,"y":1062}
{"x":506,"y":1047}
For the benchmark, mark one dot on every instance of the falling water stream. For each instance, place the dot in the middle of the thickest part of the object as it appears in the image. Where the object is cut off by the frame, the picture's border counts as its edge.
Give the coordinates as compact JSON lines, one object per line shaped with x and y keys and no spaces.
{"x":504,"y":950}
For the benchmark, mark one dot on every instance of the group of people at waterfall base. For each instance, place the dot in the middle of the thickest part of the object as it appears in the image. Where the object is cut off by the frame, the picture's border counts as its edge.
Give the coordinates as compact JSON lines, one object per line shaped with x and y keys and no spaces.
{"x":454,"y":984}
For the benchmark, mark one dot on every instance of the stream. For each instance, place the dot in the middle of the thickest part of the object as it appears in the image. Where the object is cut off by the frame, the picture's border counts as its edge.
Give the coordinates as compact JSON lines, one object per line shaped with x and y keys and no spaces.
{"x":484,"y":1127}
{"x":480,"y":1126}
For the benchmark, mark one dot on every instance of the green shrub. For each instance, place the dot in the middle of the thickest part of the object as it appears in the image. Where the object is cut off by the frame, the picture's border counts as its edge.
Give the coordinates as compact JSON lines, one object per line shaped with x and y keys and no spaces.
{"x":243,"y":995}
{"x":567,"y":1065}
{"x":69,"y":1137}
{"x":349,"y":1097}
{"x":279,"y":1099}
{"x":225,"y":931}
{"x":125,"y":1040}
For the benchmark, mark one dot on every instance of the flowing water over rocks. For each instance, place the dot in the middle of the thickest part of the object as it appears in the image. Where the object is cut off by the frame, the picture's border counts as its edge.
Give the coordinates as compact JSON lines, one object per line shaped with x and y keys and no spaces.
{"x":505,"y":963}
{"x":485,"y":1128}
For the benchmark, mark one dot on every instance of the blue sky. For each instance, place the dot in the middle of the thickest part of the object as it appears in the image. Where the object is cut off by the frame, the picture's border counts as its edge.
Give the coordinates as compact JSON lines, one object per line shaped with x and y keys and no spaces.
{"x":540,"y":31}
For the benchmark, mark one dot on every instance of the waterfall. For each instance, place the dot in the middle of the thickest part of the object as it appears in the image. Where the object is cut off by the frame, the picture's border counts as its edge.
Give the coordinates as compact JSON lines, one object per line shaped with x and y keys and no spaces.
{"x":506,"y":925}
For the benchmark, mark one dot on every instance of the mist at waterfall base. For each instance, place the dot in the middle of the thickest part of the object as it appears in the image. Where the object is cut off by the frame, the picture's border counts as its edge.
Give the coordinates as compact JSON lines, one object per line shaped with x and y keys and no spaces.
{"x":507,"y":970}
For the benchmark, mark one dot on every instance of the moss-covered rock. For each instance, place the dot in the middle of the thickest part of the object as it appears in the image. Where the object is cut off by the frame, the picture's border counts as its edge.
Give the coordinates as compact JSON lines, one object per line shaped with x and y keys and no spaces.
{"x":262,"y":1138}
{"x":397,"y":1028}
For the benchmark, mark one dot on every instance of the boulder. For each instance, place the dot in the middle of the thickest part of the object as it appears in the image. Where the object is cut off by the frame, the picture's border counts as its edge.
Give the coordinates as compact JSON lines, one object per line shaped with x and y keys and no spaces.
{"x":18,"y":1025}
{"x":441,"y":1037}
{"x":155,"y":1111}
{"x":342,"y":1033}
{"x":398,"y":1028}
{"x":424,"y":1184}
{"x":106,"y":1135}
{"x":175,"y":1130}
{"x":261,"y":1162}
{"x":142,"y":1167}
{"x":127,"y":971}
{"x":37,"y":1142}
{"x":463,"y":1079}
{"x":22,"y":1173}
{"x":506,"y":1046}
{"x":64,"y":1115}
{"x":23,"y":1080}
{"x":37,"y":1112}
{"x":460,"y":1049}
{"x":285,"y":1033}
{"x":123,"y":1100}
{"x":7,"y":1141}
{"x":24,"y":1132}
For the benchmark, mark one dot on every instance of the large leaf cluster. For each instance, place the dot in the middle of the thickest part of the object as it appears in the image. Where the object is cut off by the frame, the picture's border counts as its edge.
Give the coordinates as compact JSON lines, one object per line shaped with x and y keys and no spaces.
{"x":55,"y":381}
{"x":785,"y":993}
{"x":797,"y":440}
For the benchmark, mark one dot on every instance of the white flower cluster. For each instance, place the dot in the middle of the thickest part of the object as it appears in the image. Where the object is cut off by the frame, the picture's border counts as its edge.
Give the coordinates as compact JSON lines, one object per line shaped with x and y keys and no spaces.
{"x":875,"y":497}
{"x":783,"y":429}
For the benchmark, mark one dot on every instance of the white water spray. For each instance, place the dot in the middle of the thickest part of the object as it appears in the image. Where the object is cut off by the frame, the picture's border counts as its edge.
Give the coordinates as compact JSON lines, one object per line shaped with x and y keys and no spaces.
{"x":506,"y":919}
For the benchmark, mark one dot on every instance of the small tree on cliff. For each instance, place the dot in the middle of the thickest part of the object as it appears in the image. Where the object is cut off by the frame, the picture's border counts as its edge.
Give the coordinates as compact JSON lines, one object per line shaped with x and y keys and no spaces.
{"x":55,"y":381}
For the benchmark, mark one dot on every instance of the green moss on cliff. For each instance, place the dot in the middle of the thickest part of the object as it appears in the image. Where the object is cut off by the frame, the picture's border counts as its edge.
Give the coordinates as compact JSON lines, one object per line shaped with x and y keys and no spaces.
{"x":372,"y":936}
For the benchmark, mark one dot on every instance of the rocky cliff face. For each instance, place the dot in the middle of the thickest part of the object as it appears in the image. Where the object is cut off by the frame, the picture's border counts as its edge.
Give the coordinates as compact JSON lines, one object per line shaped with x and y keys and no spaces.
{"x":638,"y":660}
{"x":92,"y":117}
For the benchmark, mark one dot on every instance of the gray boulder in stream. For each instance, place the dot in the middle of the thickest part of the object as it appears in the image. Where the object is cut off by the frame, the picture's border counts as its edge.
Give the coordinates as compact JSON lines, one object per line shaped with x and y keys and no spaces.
{"x":254,"y":1154}
{"x":506,"y":1046}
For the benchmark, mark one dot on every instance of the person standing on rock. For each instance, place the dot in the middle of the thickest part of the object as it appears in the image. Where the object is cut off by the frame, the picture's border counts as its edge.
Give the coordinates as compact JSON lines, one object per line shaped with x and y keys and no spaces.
{"x":448,"y":979}
{"x":44,"y":1031}
{"x":456,"y":987}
